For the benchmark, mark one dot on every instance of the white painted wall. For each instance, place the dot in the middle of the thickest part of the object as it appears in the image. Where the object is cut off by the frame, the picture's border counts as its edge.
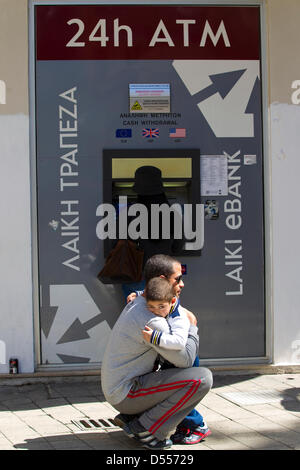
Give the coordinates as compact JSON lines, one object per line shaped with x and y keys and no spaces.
{"x":285,"y":154}
{"x":16,"y":318}
{"x":284,"y":68}
{"x":16,"y":315}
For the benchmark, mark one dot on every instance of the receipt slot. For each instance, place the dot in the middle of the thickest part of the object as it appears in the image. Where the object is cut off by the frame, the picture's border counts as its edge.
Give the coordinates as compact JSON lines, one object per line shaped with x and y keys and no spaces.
{"x":180,"y":171}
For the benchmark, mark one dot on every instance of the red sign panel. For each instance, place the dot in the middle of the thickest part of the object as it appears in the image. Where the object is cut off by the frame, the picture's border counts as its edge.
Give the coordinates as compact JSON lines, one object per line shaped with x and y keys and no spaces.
{"x":144,"y":32}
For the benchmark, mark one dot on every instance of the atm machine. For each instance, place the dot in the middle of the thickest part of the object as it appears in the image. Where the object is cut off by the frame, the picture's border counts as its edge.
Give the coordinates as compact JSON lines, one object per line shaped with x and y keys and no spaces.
{"x":168,"y":68}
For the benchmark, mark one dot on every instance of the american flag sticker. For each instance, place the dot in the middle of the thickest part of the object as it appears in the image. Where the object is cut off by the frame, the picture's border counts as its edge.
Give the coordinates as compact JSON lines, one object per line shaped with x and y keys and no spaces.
{"x":150,"y":133}
{"x":178,"y":133}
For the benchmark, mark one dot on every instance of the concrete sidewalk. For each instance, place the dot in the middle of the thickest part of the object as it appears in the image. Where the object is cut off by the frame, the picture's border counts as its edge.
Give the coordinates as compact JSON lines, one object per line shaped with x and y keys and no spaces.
{"x":244,"y":412}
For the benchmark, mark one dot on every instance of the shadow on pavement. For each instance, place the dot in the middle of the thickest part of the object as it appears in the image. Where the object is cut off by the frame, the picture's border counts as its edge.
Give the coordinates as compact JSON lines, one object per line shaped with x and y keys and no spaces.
{"x":222,"y":380}
{"x":291,"y":399}
{"x":113,"y":441}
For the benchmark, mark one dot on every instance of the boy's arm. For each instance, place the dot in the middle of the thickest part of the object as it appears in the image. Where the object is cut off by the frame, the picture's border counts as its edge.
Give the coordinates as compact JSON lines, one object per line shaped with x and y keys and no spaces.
{"x":177,"y":337}
{"x":133,"y":295}
{"x":187,"y":356}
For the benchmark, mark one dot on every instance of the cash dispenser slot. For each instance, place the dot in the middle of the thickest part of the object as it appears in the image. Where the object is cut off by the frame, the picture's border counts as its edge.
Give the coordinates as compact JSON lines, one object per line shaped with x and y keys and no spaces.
{"x":180,"y":170}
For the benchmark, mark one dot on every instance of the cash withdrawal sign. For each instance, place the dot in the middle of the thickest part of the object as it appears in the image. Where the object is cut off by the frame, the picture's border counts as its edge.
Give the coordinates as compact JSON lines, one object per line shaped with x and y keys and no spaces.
{"x":134,"y":84}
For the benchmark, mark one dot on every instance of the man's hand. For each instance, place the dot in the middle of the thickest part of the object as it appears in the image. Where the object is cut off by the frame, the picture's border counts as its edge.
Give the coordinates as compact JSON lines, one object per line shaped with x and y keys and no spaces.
{"x":191,"y":317}
{"x":147,"y":332}
{"x":131,"y":297}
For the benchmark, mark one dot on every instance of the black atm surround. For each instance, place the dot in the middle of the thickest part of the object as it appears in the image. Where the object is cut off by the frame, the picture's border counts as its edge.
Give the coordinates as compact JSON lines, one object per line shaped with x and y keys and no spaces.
{"x":176,"y":188}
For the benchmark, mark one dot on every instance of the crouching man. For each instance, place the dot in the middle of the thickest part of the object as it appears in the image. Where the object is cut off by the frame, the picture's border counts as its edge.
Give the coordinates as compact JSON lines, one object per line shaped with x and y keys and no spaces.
{"x":152,"y":402}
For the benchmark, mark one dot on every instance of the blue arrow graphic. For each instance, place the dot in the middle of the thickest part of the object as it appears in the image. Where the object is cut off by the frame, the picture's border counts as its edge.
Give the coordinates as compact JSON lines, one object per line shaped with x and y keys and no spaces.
{"x":254,"y":107}
{"x":47,"y":312}
{"x":79,"y":330}
{"x":222,"y":83}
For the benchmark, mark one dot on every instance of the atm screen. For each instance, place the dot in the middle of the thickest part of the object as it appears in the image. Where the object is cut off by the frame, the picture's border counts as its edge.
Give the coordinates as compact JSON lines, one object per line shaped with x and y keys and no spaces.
{"x":180,"y":176}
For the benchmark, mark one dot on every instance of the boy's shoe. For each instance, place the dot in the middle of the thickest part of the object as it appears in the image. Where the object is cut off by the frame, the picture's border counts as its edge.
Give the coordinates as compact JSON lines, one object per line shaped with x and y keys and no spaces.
{"x":196,"y":435}
{"x":184,"y":435}
{"x":180,"y":433}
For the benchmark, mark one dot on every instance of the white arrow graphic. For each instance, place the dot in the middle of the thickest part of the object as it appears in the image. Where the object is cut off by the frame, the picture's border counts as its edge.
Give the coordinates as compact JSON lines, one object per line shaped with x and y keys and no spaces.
{"x":77,"y":333}
{"x":224,"y":112}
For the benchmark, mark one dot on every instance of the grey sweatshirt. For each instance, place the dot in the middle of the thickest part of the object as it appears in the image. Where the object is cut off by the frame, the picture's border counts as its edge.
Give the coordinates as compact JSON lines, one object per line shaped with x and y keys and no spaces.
{"x":128,"y":355}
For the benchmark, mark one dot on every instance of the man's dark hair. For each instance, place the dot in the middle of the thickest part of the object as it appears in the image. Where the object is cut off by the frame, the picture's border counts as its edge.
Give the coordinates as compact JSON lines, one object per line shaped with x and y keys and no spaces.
{"x":159,"y":265}
{"x":159,"y":289}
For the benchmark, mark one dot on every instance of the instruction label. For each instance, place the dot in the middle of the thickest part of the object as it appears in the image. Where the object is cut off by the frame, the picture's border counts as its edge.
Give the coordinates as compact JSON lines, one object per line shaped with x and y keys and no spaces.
{"x":149,"y":98}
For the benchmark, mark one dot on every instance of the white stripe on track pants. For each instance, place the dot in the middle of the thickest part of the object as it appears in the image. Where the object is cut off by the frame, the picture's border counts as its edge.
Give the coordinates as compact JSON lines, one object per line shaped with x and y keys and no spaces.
{"x":165,"y":397}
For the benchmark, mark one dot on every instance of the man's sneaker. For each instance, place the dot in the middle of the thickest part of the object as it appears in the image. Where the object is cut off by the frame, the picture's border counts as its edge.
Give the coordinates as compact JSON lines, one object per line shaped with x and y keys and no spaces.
{"x":158,"y":445}
{"x":121,"y":419}
{"x":184,"y":435}
{"x":135,"y":429}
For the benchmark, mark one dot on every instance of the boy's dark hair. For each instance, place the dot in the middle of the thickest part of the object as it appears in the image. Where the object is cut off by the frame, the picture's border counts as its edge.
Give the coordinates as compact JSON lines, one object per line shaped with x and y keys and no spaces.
{"x":159,"y":265}
{"x":159,"y":288}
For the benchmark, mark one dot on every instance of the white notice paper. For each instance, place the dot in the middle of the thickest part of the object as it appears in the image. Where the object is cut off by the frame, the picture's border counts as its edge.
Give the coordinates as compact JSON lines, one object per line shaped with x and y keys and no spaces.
{"x":214,"y":175}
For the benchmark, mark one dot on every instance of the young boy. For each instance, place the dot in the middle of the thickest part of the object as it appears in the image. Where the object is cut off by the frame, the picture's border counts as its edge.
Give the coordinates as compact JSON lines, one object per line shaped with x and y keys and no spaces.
{"x":162,"y":302}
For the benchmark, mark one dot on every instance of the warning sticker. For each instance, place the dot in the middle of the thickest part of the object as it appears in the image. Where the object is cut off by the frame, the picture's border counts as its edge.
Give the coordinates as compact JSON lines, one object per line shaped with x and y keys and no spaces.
{"x":136,"y":107}
{"x":149,"y":98}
